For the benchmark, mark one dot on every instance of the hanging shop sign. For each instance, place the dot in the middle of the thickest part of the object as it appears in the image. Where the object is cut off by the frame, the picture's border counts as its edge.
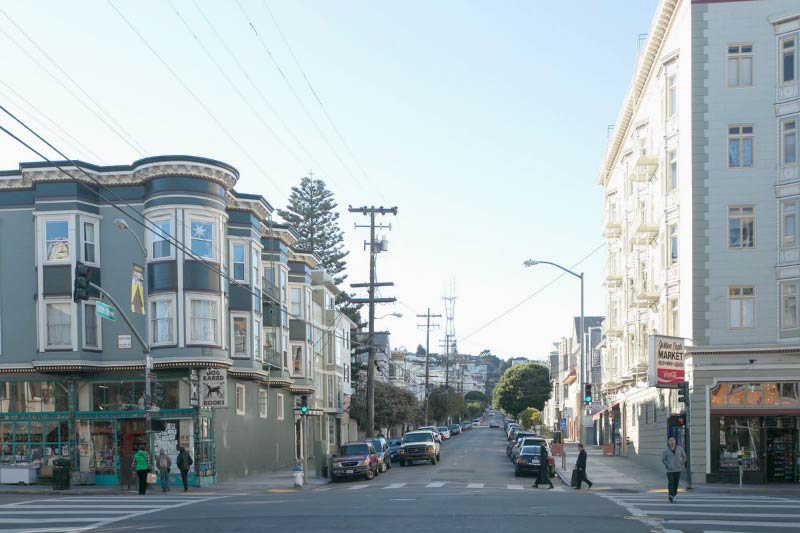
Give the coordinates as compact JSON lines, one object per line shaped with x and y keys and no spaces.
{"x":214,"y":388}
{"x":666,"y":361}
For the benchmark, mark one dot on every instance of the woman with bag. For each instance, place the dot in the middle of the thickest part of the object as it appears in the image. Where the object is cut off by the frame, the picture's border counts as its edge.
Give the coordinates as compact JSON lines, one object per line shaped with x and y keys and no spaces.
{"x":141,"y":464}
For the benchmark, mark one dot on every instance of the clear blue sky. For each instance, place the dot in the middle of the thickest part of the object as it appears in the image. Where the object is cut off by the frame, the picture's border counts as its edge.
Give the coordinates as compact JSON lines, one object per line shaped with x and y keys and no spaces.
{"x":484,"y":122}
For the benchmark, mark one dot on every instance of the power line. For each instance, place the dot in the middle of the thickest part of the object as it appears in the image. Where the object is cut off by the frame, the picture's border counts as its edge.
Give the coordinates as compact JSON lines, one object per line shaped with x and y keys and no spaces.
{"x":255,"y":86}
{"x":532,"y":295}
{"x":296,"y":96}
{"x":72,"y":93}
{"x":319,"y":100}
{"x":194,"y":96}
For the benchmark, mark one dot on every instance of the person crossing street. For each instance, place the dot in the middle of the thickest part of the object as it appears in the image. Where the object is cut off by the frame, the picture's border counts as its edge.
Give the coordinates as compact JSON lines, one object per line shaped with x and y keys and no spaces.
{"x":580,"y":466}
{"x":674,"y":460}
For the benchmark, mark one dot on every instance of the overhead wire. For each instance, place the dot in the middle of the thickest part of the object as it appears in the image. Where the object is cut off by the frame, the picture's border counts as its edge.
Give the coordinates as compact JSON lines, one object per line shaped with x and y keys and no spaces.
{"x":196,"y":98}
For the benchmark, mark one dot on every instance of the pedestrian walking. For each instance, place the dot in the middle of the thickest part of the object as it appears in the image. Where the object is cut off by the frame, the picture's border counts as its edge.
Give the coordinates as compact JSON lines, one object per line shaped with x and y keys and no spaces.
{"x":674,"y":460}
{"x":544,"y":469}
{"x":184,"y":463}
{"x":164,"y":464}
{"x":141,"y":464}
{"x":580,"y":466}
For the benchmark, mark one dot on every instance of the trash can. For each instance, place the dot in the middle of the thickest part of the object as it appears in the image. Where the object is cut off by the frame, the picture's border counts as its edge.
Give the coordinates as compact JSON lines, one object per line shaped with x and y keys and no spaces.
{"x":61,"y":474}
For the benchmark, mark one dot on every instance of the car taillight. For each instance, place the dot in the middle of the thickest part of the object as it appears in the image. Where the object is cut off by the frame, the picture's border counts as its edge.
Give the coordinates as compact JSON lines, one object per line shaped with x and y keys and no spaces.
{"x":519,"y":460}
{"x":550,"y":460}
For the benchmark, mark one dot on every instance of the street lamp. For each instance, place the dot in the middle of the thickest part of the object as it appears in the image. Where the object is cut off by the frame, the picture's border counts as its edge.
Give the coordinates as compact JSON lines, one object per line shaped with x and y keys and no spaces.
{"x":122,"y":224}
{"x":396,"y":315}
{"x":582,"y":339}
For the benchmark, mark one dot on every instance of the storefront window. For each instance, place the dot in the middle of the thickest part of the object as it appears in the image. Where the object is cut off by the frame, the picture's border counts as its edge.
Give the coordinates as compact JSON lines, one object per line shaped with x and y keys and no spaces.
{"x":739,"y":434}
{"x":789,"y":394}
{"x":736,"y":394}
{"x":129,"y":395}
{"x":101,"y":451}
{"x":33,"y":397}
{"x":33,"y":441}
{"x":772,"y":395}
{"x":7,"y":437}
{"x":719,"y":395}
{"x":755,"y":396}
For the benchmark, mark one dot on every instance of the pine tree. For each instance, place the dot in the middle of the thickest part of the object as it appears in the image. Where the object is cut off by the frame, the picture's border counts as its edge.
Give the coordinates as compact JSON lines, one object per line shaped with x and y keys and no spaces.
{"x":312,"y":212}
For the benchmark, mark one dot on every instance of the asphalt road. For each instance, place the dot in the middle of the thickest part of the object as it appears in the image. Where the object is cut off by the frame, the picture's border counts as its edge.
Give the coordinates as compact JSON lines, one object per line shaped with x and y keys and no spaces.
{"x":473,"y":488}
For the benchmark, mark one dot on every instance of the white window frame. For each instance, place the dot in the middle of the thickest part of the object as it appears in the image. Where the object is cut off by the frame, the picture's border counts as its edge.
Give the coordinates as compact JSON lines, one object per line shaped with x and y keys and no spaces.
{"x":292,"y":314}
{"x":783,"y":134}
{"x":244,"y":262}
{"x":739,"y":56}
{"x":782,"y":51}
{"x":258,"y":349}
{"x":671,"y":100}
{"x":673,"y":245}
{"x":783,"y":296}
{"x":70,"y":220}
{"x":741,"y":216}
{"x":248,"y":337}
{"x":740,"y":136}
{"x":789,"y":209}
{"x":279,"y":405}
{"x":672,"y":170}
{"x":72,"y":326}
{"x":255,"y":266}
{"x":154,"y":234}
{"x":309,"y":307}
{"x":673,"y":316}
{"x":96,"y":223}
{"x":218,"y":331}
{"x":99,"y":322}
{"x":304,"y":352}
{"x":741,"y":298}
{"x":172,"y":299}
{"x":214,"y":236}
{"x":241,"y":409}
{"x":263,"y":403}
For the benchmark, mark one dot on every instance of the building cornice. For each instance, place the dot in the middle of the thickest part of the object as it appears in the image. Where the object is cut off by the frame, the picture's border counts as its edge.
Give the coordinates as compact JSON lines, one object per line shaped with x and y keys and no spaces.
{"x":646,"y":63}
{"x":745,"y":350}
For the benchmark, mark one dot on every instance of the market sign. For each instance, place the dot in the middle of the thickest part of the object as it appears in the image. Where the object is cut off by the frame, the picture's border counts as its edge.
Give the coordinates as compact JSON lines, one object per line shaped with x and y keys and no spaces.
{"x":213,"y":388}
{"x":666,"y":361}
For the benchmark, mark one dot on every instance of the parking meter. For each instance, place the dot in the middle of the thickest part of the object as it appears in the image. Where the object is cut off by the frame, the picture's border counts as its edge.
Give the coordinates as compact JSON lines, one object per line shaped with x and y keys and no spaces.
{"x":740,"y":459}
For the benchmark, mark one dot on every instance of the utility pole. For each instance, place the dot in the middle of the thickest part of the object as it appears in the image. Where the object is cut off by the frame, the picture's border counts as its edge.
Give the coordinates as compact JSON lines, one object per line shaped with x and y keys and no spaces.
{"x":427,"y":316}
{"x":449,"y":339}
{"x":374,"y":249}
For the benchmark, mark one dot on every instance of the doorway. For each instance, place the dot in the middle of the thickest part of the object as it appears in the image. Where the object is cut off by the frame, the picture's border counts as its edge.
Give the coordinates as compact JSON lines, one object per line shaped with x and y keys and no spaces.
{"x":781,"y":455}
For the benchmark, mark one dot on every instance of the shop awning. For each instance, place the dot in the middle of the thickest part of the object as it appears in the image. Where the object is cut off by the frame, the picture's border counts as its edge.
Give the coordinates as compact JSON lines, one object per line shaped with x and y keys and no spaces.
{"x":571,"y":377}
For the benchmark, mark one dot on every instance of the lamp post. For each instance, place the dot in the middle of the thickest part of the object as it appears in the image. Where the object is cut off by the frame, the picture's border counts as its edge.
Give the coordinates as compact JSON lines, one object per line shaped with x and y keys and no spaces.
{"x":122,"y":224}
{"x":530,"y":263}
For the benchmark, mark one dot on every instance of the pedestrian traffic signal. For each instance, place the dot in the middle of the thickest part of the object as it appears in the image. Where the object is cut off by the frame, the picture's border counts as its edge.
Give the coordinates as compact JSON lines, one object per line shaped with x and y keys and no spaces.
{"x":304,"y":404}
{"x":587,"y":393}
{"x":677,"y":421}
{"x":81,"y":291}
{"x":683,"y":392}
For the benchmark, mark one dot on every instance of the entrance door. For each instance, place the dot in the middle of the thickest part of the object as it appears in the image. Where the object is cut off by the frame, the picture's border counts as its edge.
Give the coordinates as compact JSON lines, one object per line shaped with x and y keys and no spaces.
{"x":781,"y":458}
{"x":132,"y":437}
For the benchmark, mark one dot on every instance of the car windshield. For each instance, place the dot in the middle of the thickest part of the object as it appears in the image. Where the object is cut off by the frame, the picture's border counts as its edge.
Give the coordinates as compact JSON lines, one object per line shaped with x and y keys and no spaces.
{"x":531,"y":450}
{"x":417,"y":437}
{"x":443,"y":429}
{"x":354,"y":449}
{"x":395,"y":442}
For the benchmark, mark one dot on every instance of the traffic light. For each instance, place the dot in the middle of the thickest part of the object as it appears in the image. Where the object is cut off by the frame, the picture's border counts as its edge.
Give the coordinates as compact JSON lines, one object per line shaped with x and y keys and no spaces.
{"x":304,"y":404}
{"x":587,"y":393}
{"x":683,"y":392}
{"x":81,"y":291}
{"x":677,"y":421}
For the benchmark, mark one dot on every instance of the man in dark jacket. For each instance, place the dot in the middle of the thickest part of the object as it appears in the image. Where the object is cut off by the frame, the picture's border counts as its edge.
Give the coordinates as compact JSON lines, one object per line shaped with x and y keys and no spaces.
{"x":544,"y":468}
{"x":580,"y":466}
{"x":184,"y":463}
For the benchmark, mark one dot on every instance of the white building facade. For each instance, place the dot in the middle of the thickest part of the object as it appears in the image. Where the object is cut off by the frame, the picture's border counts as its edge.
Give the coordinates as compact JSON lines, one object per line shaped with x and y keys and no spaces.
{"x":701,"y":187}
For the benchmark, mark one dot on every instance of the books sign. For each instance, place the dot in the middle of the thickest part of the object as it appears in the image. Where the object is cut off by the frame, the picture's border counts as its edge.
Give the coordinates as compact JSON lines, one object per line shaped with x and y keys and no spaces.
{"x":666,"y":361}
{"x":214,"y":388}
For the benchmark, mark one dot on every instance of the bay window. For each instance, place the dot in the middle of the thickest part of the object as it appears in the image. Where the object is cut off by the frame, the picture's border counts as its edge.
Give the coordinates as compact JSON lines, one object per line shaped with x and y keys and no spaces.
{"x":239,"y":337}
{"x":202,"y":238}
{"x":91,"y":326}
{"x":789,"y":305}
{"x":160,"y":244}
{"x":789,"y":223}
{"x":296,"y":303}
{"x":257,"y":340}
{"x":204,"y":321}
{"x":238,"y":261}
{"x":58,"y":324}
{"x":56,"y":235}
{"x":789,"y":142}
{"x":90,"y":243}
{"x":788,"y":51}
{"x":162,"y":322}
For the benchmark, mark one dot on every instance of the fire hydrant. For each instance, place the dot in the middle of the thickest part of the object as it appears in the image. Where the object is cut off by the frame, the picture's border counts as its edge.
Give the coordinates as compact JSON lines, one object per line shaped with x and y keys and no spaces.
{"x":298,"y":476}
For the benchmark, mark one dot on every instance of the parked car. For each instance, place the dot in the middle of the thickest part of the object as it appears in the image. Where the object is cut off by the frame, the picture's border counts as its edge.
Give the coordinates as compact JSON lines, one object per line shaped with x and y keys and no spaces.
{"x":419,"y":446}
{"x":455,"y":429}
{"x":528,"y":461}
{"x":494,"y":424}
{"x":535,"y":441}
{"x":394,"y":448}
{"x":465,"y":426}
{"x":519,"y":435}
{"x":435,"y":430}
{"x":444,"y":431}
{"x":355,"y":459}
{"x":382,"y":449}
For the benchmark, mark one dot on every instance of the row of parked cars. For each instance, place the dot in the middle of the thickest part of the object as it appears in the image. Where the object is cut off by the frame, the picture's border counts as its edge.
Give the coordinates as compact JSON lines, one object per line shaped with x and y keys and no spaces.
{"x":370,"y":457}
{"x":525,"y":450}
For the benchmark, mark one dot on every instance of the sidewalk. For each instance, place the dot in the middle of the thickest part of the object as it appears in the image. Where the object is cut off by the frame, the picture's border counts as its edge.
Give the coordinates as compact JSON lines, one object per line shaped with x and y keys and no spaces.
{"x":277,"y":480}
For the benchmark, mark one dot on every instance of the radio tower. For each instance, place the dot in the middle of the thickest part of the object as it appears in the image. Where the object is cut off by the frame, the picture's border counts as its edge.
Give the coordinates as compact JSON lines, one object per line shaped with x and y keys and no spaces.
{"x":449,"y":337}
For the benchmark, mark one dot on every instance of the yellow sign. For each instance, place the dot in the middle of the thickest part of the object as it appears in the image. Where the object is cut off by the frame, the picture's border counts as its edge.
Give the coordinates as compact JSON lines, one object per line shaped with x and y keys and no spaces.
{"x":137,"y":289}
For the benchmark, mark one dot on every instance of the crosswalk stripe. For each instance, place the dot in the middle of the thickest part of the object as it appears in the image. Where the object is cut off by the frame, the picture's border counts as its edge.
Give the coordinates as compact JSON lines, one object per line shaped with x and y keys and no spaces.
{"x":475,"y":485}
{"x":733,"y":523}
{"x":358,"y":487}
{"x":435,"y":485}
{"x":395,"y":486}
{"x":514,"y":487}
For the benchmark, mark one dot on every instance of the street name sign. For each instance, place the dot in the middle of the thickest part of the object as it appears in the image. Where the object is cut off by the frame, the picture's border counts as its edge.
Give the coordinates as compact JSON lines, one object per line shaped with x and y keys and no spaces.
{"x":105,"y":311}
